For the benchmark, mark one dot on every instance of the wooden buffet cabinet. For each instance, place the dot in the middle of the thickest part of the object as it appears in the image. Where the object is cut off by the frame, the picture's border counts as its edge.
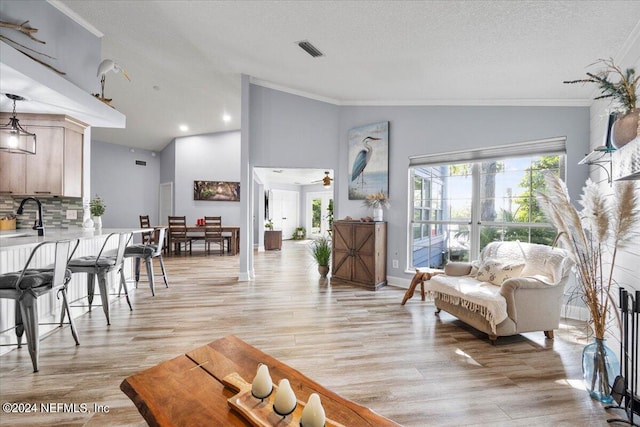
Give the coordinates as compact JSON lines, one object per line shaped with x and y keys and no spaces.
{"x":272,"y":240}
{"x":55,"y":169}
{"x":359,"y":253}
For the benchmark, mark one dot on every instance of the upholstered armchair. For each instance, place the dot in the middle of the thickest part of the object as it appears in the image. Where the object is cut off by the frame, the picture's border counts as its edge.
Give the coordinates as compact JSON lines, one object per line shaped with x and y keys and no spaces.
{"x":514,"y":287}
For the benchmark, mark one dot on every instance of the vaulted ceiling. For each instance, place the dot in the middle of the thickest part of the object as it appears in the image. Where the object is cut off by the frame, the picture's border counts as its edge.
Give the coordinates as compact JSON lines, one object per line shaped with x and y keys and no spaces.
{"x":185,"y":58}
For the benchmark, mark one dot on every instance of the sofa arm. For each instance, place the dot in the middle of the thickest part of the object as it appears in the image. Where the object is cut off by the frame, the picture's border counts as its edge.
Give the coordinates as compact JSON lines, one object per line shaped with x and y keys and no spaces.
{"x":532,"y":304}
{"x":457,"y":268}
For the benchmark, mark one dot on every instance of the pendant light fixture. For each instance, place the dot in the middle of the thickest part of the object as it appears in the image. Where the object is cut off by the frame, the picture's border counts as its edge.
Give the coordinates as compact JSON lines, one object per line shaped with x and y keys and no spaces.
{"x":13,"y":137}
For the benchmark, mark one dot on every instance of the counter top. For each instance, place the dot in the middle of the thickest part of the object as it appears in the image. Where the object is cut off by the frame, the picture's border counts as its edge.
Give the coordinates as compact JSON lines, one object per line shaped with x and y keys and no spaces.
{"x":21,"y":238}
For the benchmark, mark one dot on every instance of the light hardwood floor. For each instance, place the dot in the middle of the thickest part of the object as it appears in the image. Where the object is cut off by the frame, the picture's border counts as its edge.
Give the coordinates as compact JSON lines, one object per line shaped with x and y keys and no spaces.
{"x":401,"y":361}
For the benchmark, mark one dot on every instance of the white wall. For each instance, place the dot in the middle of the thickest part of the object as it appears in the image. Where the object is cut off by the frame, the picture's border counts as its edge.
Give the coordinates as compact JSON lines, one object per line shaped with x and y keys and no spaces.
{"x":210,"y":157}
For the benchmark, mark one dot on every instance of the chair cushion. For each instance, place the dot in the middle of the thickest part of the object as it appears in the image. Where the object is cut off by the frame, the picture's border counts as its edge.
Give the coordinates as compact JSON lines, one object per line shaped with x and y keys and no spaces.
{"x":89,"y":261}
{"x":140,"y":250}
{"x":33,"y":278}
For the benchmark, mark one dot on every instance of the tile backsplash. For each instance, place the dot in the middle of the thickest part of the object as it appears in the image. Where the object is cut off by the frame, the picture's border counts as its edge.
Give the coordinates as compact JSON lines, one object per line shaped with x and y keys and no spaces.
{"x":54,"y":211}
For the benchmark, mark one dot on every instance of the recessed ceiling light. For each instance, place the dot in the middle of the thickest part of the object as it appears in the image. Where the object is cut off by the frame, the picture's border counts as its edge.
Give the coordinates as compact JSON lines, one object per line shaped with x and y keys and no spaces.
{"x":184,"y":128}
{"x":226,"y":118}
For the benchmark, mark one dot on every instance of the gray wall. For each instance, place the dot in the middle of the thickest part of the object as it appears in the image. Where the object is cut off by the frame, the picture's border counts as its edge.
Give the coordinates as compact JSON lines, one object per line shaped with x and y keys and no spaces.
{"x":76,"y":50}
{"x":168,"y":163}
{"x":210,"y":157}
{"x":128,"y":190}
{"x":291,"y":131}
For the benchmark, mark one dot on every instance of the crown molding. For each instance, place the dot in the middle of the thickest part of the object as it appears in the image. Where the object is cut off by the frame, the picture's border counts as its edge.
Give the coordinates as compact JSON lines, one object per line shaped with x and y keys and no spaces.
{"x":528,"y":102}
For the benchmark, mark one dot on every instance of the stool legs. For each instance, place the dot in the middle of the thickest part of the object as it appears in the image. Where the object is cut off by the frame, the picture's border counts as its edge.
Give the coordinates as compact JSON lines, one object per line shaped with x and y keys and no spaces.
{"x":19,"y":325}
{"x":104,"y":295}
{"x":148,"y":262}
{"x":29,"y":311}
{"x":164,"y":273}
{"x":123,"y":284}
{"x":66,"y":309}
{"x":90,"y":288}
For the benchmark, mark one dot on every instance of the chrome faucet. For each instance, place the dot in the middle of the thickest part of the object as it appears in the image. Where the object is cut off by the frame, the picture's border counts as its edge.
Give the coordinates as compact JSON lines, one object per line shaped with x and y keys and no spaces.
{"x":38,"y":225}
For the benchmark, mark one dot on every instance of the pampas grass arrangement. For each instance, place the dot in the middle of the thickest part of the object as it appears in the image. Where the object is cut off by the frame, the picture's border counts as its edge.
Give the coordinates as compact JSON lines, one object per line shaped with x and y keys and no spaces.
{"x":593,"y":237}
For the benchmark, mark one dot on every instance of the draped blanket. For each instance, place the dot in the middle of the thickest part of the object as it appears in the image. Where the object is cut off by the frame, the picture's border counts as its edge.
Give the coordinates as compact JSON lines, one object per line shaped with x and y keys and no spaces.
{"x":481,"y":297}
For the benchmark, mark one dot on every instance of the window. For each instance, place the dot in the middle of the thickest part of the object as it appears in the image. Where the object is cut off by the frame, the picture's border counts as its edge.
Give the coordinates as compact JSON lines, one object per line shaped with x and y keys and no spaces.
{"x":458,"y":208}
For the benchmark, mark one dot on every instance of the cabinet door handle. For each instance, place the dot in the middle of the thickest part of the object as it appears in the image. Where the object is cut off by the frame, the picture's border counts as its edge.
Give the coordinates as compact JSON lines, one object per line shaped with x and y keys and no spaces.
{"x":6,"y":192}
{"x":42,"y":192}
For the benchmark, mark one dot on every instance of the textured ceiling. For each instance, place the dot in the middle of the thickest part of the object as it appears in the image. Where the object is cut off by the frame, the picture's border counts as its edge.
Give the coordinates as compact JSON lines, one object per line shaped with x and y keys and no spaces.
{"x":185,"y":58}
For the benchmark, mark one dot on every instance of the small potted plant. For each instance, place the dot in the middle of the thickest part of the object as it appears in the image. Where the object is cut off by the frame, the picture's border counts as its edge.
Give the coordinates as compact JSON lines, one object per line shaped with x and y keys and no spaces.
{"x":97,"y":208}
{"x":377,"y":201}
{"x":268,"y":225}
{"x":321,"y":251}
{"x":299,"y":234}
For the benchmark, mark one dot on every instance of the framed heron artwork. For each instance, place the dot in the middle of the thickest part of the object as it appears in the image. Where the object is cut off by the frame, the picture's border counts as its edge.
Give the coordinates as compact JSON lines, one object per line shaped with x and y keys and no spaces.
{"x":368,"y":160}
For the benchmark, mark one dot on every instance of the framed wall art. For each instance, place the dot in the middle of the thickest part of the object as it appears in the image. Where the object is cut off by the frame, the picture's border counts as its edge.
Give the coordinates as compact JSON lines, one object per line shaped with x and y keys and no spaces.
{"x":368,"y":160}
{"x":223,"y":191}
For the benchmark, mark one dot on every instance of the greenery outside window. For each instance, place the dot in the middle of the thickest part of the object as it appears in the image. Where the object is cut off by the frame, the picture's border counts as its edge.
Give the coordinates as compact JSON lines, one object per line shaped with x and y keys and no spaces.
{"x":458,"y":208}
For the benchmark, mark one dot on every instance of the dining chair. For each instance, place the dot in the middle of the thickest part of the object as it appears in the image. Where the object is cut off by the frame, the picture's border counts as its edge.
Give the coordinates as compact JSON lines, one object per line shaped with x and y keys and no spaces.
{"x":147,"y":251}
{"x":213,"y":233}
{"x":99,"y":266}
{"x":178,"y":234}
{"x":27,"y":285}
{"x":145,"y":223}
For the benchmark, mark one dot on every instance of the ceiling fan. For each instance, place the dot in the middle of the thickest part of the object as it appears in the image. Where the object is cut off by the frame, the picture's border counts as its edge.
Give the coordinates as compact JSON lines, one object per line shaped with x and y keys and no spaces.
{"x":326,"y":181}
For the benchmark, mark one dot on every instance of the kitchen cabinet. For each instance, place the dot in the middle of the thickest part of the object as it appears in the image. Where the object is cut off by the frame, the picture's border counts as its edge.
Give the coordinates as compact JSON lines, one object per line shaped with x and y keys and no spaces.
{"x":359,"y":253}
{"x":55,"y":169}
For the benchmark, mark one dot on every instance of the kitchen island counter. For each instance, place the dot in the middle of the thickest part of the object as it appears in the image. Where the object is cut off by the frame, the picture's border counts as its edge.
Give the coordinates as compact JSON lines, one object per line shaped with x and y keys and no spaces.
{"x":28,"y":238}
{"x":15,"y":248}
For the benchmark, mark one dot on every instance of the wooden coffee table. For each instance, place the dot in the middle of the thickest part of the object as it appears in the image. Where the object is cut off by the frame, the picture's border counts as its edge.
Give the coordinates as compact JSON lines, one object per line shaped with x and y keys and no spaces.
{"x":422,"y":275}
{"x":188,"y":390}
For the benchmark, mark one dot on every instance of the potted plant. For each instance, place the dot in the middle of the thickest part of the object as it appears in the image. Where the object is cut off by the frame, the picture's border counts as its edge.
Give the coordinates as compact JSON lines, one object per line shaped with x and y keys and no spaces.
{"x":97,"y":208}
{"x":377,"y":201}
{"x":321,"y":252}
{"x":268,"y":225}
{"x":299,"y":234}
{"x":330,"y":216}
{"x":623,"y":92}
{"x":593,"y":237}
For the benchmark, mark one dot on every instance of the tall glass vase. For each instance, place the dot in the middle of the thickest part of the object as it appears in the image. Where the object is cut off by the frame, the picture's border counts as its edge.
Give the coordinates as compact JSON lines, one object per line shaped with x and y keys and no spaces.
{"x":600,"y":367}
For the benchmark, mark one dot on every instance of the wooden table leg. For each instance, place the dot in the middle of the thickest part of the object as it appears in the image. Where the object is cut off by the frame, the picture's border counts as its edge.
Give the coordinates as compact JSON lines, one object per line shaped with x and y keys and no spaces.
{"x":419,"y":277}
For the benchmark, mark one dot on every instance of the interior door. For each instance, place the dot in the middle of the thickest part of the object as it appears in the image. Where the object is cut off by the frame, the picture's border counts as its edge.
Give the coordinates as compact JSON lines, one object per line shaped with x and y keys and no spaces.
{"x":165,"y":208}
{"x":285,"y":211}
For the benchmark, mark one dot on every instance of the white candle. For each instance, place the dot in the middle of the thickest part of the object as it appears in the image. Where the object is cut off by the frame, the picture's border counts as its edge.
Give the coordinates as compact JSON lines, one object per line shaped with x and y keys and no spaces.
{"x":313,"y":413}
{"x":285,"y":401}
{"x":262,"y":384}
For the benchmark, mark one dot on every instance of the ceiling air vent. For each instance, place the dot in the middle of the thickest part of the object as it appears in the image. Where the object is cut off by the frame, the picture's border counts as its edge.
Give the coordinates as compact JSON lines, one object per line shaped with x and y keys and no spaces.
{"x":310,"y":49}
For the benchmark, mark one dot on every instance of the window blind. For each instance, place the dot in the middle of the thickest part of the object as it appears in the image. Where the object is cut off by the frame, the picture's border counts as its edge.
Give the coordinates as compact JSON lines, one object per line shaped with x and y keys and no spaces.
{"x":548,"y":146}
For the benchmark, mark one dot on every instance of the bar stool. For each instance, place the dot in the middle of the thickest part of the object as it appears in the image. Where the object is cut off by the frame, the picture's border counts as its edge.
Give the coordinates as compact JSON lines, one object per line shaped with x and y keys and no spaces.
{"x":100,"y":265}
{"x":27,"y":285}
{"x":147,"y":251}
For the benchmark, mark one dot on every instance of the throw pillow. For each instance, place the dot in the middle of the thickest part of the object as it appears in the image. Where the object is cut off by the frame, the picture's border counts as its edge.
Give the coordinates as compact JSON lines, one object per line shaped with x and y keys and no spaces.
{"x":496,"y":271}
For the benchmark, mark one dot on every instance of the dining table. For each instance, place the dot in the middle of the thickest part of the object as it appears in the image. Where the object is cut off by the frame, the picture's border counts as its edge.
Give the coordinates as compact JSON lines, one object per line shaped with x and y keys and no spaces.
{"x":197,"y":232}
{"x":201,"y":388}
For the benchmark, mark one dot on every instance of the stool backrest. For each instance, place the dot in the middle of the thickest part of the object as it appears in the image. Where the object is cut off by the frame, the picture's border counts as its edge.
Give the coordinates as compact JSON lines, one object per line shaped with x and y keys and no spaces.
{"x":161,"y":233}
